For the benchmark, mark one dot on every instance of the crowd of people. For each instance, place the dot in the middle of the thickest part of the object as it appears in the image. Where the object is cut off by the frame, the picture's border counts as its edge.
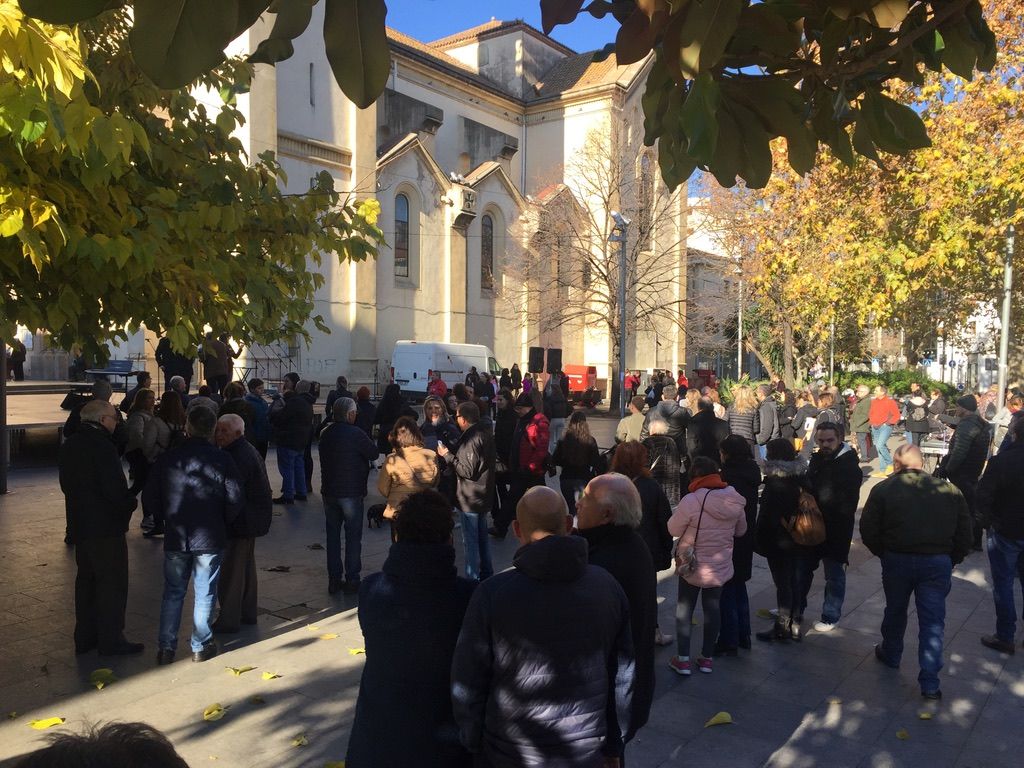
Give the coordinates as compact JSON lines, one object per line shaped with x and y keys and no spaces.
{"x":555,"y":656}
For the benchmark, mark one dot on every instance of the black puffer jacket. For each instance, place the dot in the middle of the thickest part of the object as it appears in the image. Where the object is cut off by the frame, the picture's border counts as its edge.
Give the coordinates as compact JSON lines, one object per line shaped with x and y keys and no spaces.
{"x":345,"y":455}
{"x":745,"y":478}
{"x":654,"y":522}
{"x":677,"y":418}
{"x":95,"y":492}
{"x":767,"y":422}
{"x":835,"y":483}
{"x":543,"y":672}
{"x":967,"y":449}
{"x":473,"y":462}
{"x":1000,"y":491}
{"x":782,"y":483}
{"x":257,"y":508}
{"x":293,"y":422}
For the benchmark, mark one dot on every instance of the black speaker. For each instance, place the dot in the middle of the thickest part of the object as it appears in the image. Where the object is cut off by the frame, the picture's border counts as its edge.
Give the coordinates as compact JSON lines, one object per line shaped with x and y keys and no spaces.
{"x":554,"y":360}
{"x":536,"y":363}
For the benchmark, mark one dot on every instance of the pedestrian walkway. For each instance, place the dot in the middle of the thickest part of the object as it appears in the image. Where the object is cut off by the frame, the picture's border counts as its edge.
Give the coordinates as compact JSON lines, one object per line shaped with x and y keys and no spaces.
{"x":823,"y":702}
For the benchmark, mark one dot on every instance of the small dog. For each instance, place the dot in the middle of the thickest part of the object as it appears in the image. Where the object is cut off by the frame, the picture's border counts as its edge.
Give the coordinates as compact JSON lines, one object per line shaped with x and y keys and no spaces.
{"x":375,"y":516}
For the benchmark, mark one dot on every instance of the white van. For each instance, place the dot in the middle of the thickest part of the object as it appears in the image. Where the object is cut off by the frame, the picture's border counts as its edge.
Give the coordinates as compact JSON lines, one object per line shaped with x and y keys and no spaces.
{"x":413,"y":361}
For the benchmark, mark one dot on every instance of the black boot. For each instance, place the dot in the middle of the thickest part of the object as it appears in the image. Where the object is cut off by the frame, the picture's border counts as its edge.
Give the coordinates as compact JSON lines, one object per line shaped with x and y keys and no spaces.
{"x":779,"y":632}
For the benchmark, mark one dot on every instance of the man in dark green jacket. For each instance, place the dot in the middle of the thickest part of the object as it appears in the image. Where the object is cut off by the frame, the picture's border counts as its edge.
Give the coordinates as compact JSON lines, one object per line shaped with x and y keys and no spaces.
{"x":859,"y":423}
{"x":919,"y":527}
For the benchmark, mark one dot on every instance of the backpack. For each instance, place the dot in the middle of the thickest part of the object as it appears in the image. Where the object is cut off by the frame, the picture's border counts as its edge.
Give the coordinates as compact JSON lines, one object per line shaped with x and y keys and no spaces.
{"x":807,"y":526}
{"x":918,"y":413}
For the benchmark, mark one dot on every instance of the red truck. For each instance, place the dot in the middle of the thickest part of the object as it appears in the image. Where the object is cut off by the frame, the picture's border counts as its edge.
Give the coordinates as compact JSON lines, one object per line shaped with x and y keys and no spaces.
{"x":583,"y":384}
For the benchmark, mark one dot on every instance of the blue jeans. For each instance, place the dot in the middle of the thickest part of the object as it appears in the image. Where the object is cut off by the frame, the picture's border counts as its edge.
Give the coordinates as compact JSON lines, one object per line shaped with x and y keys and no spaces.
{"x":835,"y":590}
{"x":204,"y":567}
{"x":476,"y":546}
{"x":1004,"y":555}
{"x":292,"y":466}
{"x":880,"y":437}
{"x":928,"y":578}
{"x":347,"y":513}
{"x":762,"y":451}
{"x":735,"y":607}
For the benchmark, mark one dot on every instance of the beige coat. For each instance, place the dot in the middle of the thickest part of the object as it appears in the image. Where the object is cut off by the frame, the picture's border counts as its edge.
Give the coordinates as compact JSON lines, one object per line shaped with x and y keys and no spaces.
{"x":415,"y":470}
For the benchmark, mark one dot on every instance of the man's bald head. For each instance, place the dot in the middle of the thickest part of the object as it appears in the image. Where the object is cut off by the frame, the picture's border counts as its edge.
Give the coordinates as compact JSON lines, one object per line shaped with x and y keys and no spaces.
{"x":541,"y":512}
{"x":610,"y":498}
{"x":94,"y":410}
{"x":908,"y":457}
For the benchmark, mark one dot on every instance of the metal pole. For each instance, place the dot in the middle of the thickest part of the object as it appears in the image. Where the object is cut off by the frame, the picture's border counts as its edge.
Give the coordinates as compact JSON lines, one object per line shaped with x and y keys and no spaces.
{"x":739,"y":333}
{"x":1004,"y":331}
{"x":832,"y":353}
{"x":622,"y":321}
{"x":5,"y":434}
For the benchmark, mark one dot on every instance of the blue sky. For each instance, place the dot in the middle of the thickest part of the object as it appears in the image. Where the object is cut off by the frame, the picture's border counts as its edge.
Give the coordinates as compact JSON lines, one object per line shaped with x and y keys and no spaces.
{"x":430,"y":19}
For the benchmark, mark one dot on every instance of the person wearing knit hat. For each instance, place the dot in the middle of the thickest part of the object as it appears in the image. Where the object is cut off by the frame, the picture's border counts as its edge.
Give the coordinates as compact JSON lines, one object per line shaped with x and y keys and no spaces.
{"x":968,"y":450}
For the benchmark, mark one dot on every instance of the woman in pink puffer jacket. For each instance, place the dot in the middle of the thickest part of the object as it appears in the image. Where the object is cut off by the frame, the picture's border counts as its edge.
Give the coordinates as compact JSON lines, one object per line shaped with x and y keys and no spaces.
{"x":723,"y":519}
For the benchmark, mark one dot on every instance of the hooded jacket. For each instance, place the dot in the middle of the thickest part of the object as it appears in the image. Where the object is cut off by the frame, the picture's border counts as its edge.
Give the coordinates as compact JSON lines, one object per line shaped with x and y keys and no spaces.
{"x":677,"y":418}
{"x":835,"y":482}
{"x":722,"y":521}
{"x":530,"y":444}
{"x":555,"y":627}
{"x":782,"y":483}
{"x":967,"y":449}
{"x":403,"y":474}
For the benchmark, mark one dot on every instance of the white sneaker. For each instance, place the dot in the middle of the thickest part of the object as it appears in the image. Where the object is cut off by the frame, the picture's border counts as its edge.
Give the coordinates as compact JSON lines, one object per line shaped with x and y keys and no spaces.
{"x":823,"y":626}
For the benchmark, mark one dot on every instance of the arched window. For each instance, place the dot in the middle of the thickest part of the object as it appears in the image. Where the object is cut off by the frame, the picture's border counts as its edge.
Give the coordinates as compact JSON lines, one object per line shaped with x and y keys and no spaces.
{"x":644,"y":202}
{"x":487,"y":252}
{"x":401,"y":236}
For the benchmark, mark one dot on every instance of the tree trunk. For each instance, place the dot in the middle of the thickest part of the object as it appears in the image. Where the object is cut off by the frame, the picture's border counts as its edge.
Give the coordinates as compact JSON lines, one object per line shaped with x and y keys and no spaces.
{"x":764,"y":360}
{"x":787,"y":354}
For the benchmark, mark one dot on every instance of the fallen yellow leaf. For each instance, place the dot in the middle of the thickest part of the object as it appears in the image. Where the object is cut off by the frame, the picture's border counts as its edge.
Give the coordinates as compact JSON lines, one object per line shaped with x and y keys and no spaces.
{"x":356,"y":651}
{"x":236,"y":671}
{"x":42,"y":725}
{"x":328,"y":635}
{"x":925,"y":716}
{"x":214,"y":712}
{"x":300,"y":740}
{"x":722,"y":718}
{"x":312,"y":627}
{"x":335,"y":764}
{"x":834,"y":700}
{"x":102,"y":677}
{"x":764,"y":613}
{"x":270,"y":675}
{"x":902,"y":734}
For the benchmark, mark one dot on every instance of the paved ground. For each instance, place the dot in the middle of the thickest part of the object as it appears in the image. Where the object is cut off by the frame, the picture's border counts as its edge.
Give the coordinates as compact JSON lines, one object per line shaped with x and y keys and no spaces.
{"x":825,"y":702}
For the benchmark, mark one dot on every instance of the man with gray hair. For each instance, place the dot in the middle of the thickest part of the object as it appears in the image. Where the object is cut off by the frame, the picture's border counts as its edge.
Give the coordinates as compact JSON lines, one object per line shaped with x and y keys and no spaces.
{"x":237,"y":588}
{"x":179,"y":386}
{"x":345,"y":455}
{"x":766,"y":425}
{"x":607,"y":516}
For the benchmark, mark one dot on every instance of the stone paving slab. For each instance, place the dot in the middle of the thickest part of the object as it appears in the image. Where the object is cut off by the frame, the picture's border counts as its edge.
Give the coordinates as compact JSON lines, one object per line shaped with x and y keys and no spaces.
{"x":825,"y":701}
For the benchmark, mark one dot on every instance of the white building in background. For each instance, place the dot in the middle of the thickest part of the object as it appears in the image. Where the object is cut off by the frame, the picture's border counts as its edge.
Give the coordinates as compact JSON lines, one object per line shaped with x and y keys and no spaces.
{"x":470,"y":130}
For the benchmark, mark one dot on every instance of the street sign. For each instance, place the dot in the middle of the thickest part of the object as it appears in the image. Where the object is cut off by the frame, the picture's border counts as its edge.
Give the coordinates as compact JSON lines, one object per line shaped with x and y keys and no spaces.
{"x":952,"y":363}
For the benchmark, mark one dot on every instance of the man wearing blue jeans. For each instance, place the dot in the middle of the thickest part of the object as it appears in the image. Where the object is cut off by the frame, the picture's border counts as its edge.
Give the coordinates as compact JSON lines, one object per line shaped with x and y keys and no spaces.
{"x":474,"y":462}
{"x":345,"y":455}
{"x":195,"y":495}
{"x":998,"y":506}
{"x":883,"y":415}
{"x":835,"y":478}
{"x":919,"y":527}
{"x":292,"y":420}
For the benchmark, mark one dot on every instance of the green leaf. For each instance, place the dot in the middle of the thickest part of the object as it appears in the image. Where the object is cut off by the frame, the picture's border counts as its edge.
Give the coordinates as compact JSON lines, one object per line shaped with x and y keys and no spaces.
{"x":248,"y":13}
{"x":862,"y":140}
{"x":835,"y":35}
{"x":357,"y":47}
{"x":959,"y":54}
{"x":634,"y":39}
{"x":655,"y":100}
{"x":700,"y":32}
{"x":894,"y":127}
{"x":727,"y":160}
{"x":175,"y":41}
{"x":67,"y":11}
{"x":11,"y":221}
{"x":697,"y":117}
{"x":763,"y":28}
{"x":555,"y":12}
{"x":755,"y":147}
{"x":292,"y":20}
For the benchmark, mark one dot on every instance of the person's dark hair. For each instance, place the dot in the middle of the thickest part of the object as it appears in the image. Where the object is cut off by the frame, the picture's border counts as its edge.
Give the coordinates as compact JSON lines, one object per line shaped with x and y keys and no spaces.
{"x":424,"y":517}
{"x":341,"y":382}
{"x":204,"y":390}
{"x":780,"y":449}
{"x":405,"y":434}
{"x":638,"y":403}
{"x":293,"y":377}
{"x":631,"y":459}
{"x":171,"y":410}
{"x":142,"y":376}
{"x":705,"y":404}
{"x":1016,"y":430}
{"x":255,"y":384}
{"x":504,"y":372}
{"x":736,"y":448}
{"x":363,"y":394}
{"x":703,"y":465}
{"x":830,"y":425}
{"x":115,"y":745}
{"x":201,"y":422}
{"x":469,"y":411}
{"x":510,"y":399}
{"x":234,"y":390}
{"x":577,"y":443}
{"x":460,"y":392}
{"x":142,"y":396}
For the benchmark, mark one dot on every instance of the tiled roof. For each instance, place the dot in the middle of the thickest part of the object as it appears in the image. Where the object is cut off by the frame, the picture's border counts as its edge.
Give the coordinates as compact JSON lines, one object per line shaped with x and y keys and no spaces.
{"x":576,"y":72}
{"x":422,"y":51}
{"x":490,"y":29}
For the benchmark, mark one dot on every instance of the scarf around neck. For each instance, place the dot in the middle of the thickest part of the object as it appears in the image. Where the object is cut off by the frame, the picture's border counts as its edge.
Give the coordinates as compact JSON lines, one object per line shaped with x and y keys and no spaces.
{"x":711,"y":482}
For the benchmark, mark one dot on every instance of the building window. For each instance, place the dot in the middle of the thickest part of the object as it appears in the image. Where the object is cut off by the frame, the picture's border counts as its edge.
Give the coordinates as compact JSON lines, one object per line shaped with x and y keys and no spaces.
{"x":644,"y":202}
{"x":482,"y":56}
{"x":401,"y":236}
{"x":487,"y":253}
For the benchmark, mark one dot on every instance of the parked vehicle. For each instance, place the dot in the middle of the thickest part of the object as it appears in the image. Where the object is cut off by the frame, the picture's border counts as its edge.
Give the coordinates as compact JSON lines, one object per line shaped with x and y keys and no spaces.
{"x":583,"y":384}
{"x":414,"y":362}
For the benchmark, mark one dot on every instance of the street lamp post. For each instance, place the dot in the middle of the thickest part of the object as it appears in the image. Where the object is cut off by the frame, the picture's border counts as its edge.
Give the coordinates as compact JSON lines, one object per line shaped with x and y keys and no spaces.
{"x":832,"y":353}
{"x":619,"y":235}
{"x":1004,"y":331}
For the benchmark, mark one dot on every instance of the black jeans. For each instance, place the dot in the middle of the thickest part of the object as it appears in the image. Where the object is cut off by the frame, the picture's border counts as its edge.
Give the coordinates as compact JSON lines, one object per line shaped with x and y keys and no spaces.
{"x":101,"y":592}
{"x":967,"y":486}
{"x":792,"y":576}
{"x":710,"y":598}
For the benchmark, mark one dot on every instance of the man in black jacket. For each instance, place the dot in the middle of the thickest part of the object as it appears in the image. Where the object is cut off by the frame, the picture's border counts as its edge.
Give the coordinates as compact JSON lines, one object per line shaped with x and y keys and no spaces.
{"x":706,"y":431}
{"x":345,"y":455}
{"x":194,"y":492}
{"x":237,"y":587}
{"x":767,"y":423}
{"x":967,"y":453}
{"x":607,"y":516}
{"x":99,"y":507}
{"x":835,"y":478}
{"x":673,"y":414}
{"x":918,"y":526}
{"x":292,"y":422}
{"x":473,"y":461}
{"x":999,"y":508}
{"x":543,"y":672}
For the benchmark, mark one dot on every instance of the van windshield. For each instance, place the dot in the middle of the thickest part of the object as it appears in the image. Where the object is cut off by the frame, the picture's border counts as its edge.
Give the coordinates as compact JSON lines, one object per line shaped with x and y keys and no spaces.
{"x":492,"y":366}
